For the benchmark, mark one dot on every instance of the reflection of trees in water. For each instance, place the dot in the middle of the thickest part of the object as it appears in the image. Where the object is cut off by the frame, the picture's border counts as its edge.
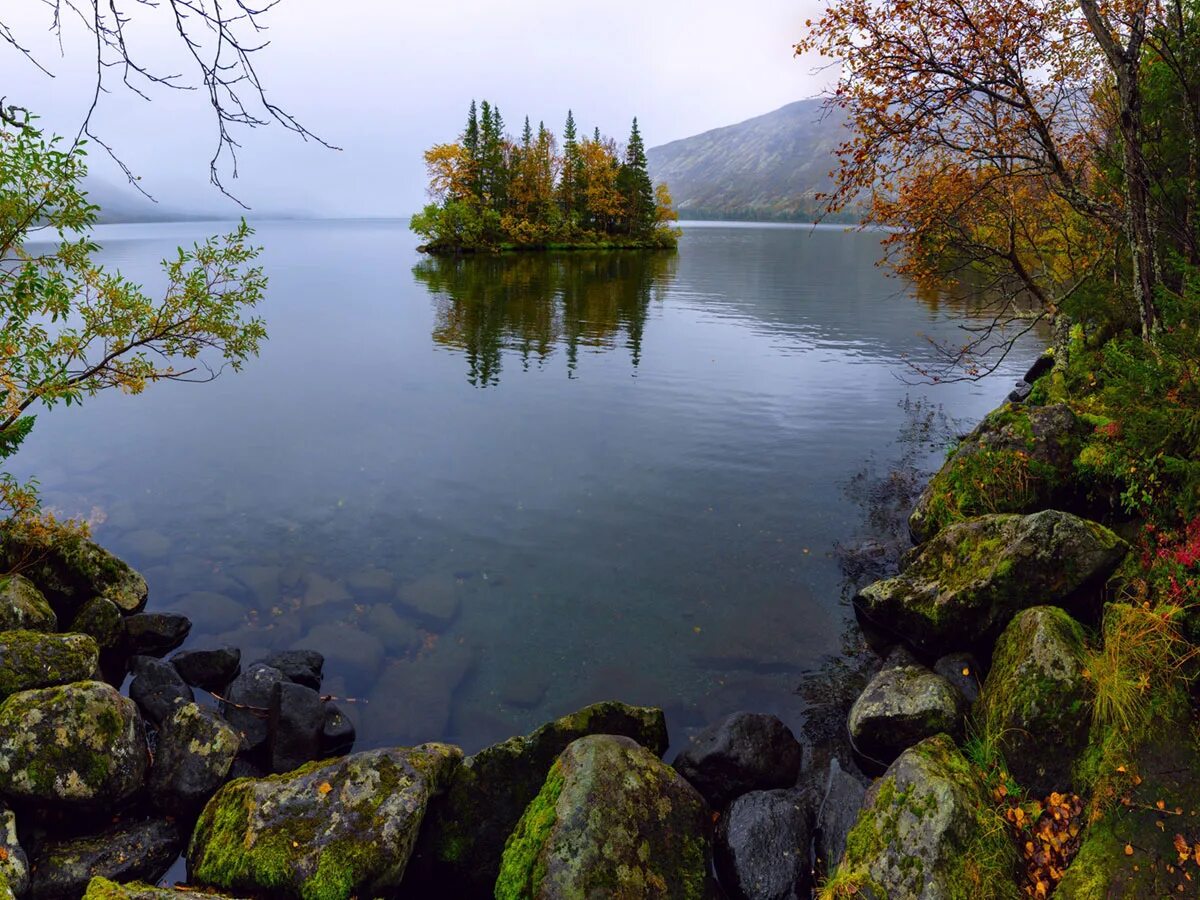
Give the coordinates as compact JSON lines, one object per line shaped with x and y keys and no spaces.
{"x":533,"y":303}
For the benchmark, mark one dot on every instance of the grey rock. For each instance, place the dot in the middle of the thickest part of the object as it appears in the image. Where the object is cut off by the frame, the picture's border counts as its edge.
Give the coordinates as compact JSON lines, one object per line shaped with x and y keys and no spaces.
{"x":305,"y":667}
{"x":155,"y":634}
{"x":294,"y":727}
{"x":208,"y":669}
{"x":142,"y":851}
{"x":762,"y":846}
{"x":337,"y":731}
{"x":901,"y":706}
{"x":23,"y":608}
{"x":72,"y":570}
{"x":841,"y":798}
{"x":157,"y":688}
{"x":14,"y":864}
{"x":961,"y":670}
{"x":102,"y":621}
{"x":31,"y":659}
{"x":743,"y":752}
{"x":248,"y":703}
{"x":195,"y":752}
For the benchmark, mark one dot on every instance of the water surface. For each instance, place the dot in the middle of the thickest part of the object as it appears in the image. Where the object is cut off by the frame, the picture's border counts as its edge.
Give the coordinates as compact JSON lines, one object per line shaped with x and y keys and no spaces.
{"x":494,"y":489}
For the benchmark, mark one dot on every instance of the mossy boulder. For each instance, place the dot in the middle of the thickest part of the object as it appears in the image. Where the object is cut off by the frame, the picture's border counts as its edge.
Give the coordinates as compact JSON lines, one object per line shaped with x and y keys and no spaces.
{"x":104,"y":889}
{"x":102,"y":619}
{"x":901,"y":706}
{"x":459,"y":850}
{"x":927,"y":831}
{"x":14,"y":865}
{"x":964,"y":586}
{"x":329,"y":830}
{"x":141,"y":850}
{"x":80,"y":745}
{"x":1034,"y":707}
{"x":31,"y":659}
{"x":196,"y":749}
{"x":70,"y":570}
{"x":23,"y":608}
{"x":612,"y":820}
{"x":1019,"y":459}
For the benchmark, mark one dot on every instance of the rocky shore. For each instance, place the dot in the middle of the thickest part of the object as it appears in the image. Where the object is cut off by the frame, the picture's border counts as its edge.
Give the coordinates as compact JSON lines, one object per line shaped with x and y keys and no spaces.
{"x":971,"y":749}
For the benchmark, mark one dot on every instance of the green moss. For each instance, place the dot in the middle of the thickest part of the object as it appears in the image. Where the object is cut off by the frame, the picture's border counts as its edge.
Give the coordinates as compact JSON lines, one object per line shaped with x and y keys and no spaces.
{"x":31,"y":659}
{"x":523,"y":866}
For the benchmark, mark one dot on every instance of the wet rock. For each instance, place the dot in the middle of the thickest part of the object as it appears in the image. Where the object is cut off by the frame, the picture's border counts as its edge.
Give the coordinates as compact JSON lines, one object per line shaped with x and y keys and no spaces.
{"x":841,"y":797}
{"x":157,"y":688}
{"x":102,"y":621}
{"x":1041,"y":366}
{"x":14,"y":864}
{"x":305,"y":667}
{"x":346,"y":649}
{"x":23,"y":608}
{"x":211,"y":670}
{"x":762,"y":847}
{"x":155,"y":634}
{"x":901,"y":706}
{"x":964,"y":586}
{"x":963,"y":672}
{"x":294,"y":727}
{"x":72,"y":570}
{"x":81,"y":745}
{"x":141,"y":850}
{"x":1019,"y":459}
{"x":337,"y":731}
{"x":1020,"y":392}
{"x":248,"y":703}
{"x":611,"y":820}
{"x":432,"y":600}
{"x":927,"y":831}
{"x":358,"y":817}
{"x":195,"y":751}
{"x":744,"y":752}
{"x":246,"y":768}
{"x":1034,"y":705}
{"x":31,"y":659}
{"x":461,"y":844}
{"x":103,"y":889}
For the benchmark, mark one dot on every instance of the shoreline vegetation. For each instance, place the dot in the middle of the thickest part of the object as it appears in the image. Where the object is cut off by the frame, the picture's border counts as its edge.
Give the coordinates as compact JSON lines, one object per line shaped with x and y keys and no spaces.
{"x":494,"y":193}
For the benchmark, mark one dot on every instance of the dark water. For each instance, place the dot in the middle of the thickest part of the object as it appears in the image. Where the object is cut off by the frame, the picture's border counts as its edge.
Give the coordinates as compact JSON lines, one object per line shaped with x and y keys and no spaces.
{"x":493,"y":490}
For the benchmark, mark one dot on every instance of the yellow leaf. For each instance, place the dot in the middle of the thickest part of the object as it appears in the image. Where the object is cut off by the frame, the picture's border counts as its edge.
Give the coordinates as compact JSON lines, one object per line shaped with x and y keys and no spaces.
{"x":324,"y":788}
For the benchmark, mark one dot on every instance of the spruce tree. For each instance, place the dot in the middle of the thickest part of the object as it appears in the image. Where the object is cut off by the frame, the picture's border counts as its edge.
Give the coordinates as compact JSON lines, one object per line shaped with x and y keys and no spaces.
{"x":637,"y":190}
{"x":471,"y":146}
{"x":568,"y":192}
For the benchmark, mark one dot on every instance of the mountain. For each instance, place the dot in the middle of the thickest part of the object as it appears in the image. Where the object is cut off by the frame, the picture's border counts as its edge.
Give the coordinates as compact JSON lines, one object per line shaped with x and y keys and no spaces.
{"x":768,"y":168}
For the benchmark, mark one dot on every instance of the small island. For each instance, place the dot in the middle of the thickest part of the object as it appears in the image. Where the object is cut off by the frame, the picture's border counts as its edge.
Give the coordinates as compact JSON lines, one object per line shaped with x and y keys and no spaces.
{"x":492,"y":193}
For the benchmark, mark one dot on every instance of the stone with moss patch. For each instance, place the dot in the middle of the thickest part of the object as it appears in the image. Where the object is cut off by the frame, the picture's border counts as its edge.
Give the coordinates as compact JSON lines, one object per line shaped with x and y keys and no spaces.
{"x":14,"y":865}
{"x":964,"y":586}
{"x":1018,"y":460}
{"x":80,"y":745}
{"x":459,"y":850}
{"x":142,"y":850}
{"x":612,"y":820}
{"x":1035,"y":705}
{"x":70,"y":570}
{"x":327,"y":831}
{"x":901,"y":706}
{"x":196,"y":749}
{"x":23,"y":608}
{"x":104,"y":889}
{"x":102,"y":619}
{"x":31,"y":659}
{"x":928,"y":832}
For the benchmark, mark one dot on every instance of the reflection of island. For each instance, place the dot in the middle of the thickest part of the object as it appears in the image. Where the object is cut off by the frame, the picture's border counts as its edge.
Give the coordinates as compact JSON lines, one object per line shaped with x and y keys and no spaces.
{"x":530,"y":304}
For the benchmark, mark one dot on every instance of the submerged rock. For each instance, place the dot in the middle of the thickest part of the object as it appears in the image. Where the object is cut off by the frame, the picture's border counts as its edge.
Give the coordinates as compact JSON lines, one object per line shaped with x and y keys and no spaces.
{"x":23,"y":608}
{"x":1034,"y":707}
{"x":927,"y":831}
{"x":81,"y":745}
{"x":463,"y":839}
{"x":611,"y":820}
{"x":1018,"y":460}
{"x":741,"y":753}
{"x":143,"y":850}
{"x":195,"y":751}
{"x":31,"y":659}
{"x":762,"y":846}
{"x":902,"y":706}
{"x":964,"y":586}
{"x":157,"y":688}
{"x":14,"y":864}
{"x":211,"y":670}
{"x":327,"y":830}
{"x":71,"y":570}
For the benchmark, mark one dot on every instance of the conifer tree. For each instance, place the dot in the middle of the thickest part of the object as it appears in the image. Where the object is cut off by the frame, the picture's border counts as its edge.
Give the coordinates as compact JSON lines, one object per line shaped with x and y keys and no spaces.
{"x":568,"y":191}
{"x":637,"y":190}
{"x":471,"y":151}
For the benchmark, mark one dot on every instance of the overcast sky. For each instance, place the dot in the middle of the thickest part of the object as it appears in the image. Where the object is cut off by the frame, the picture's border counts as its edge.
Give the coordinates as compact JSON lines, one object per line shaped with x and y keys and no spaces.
{"x":384,"y":79}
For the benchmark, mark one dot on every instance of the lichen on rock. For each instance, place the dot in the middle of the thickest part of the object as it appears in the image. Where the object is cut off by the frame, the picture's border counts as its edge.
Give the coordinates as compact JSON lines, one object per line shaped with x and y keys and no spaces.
{"x":22,"y":606}
{"x":31,"y":659}
{"x":901,"y":706}
{"x":70,"y":570}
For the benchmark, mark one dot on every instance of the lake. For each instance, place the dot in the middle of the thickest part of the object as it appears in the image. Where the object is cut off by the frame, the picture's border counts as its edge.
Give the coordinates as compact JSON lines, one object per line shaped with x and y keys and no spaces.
{"x":492,"y":490}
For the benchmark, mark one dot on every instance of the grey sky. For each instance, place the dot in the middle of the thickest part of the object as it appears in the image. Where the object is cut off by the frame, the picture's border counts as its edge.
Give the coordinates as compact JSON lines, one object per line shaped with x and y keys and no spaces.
{"x":384,"y":79}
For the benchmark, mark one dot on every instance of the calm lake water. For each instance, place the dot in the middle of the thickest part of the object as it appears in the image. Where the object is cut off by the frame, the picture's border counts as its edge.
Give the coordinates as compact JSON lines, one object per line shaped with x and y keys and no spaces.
{"x":492,"y":490}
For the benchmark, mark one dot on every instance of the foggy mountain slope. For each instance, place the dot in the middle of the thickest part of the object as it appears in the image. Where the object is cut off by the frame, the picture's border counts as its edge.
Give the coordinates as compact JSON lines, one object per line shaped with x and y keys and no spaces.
{"x":768,"y":167}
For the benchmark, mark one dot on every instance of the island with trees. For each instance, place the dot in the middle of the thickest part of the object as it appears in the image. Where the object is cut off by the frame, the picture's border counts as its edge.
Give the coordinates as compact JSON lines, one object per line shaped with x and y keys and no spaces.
{"x":491,"y":192}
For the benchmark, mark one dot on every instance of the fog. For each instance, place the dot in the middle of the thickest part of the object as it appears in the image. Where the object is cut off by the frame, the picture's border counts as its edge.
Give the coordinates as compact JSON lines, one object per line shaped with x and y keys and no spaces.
{"x":383,"y":81}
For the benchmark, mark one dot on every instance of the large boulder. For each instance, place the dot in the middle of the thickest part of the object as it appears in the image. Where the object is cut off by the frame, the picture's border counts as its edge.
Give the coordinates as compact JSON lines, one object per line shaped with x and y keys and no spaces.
{"x":247,"y":704}
{"x":743,"y":752}
{"x":157,"y":688}
{"x":1018,"y":460}
{"x":14,"y":864}
{"x":31,"y":659}
{"x":80,"y":745}
{"x":901,"y":706}
{"x":610,"y":821}
{"x":963,"y":587}
{"x":140,"y":850}
{"x":841,"y":796}
{"x":208,"y":669}
{"x":70,"y":570}
{"x":1034,"y":707}
{"x":23,"y":608}
{"x":463,"y":839}
{"x":329,"y":830}
{"x":762,"y":846}
{"x":196,"y":749}
{"x":927,"y":831}
{"x":101,"y":619}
